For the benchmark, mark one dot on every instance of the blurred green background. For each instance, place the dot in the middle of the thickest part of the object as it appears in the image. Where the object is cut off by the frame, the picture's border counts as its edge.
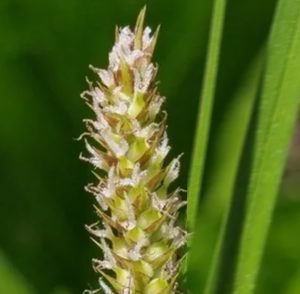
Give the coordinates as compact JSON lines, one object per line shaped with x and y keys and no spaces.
{"x":45,"y":49}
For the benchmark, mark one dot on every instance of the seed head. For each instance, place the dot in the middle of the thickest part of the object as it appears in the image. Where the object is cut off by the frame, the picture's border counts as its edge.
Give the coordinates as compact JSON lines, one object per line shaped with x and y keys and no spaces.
{"x":127,"y":145}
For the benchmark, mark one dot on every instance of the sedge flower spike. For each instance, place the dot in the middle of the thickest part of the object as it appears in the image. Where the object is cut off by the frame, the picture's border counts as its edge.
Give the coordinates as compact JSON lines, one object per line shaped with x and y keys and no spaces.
{"x":127,"y":145}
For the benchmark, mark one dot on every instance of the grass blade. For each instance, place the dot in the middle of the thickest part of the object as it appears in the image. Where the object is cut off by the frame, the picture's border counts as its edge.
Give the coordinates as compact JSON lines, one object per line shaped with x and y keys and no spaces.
{"x":225,"y":157}
{"x":278,"y":110}
{"x":205,"y":111}
{"x":230,"y":141}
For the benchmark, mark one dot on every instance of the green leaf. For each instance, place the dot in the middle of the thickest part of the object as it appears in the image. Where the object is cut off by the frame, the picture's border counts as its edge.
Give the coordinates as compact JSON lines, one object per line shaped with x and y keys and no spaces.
{"x":224,"y":158}
{"x":229,"y":142}
{"x":276,"y":118}
{"x":204,"y":113}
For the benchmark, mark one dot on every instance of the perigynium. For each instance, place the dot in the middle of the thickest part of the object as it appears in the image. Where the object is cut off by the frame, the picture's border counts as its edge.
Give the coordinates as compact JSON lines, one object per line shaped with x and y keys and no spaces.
{"x":127,"y":143}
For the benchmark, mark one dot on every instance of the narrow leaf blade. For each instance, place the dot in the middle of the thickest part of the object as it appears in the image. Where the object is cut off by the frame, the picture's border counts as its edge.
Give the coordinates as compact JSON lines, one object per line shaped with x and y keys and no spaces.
{"x":279,"y":105}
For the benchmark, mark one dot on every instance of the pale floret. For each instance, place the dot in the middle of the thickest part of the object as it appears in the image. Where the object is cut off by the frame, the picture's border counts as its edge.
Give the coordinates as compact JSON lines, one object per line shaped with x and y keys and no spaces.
{"x":143,"y":79}
{"x":118,"y":146}
{"x":147,"y":38}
